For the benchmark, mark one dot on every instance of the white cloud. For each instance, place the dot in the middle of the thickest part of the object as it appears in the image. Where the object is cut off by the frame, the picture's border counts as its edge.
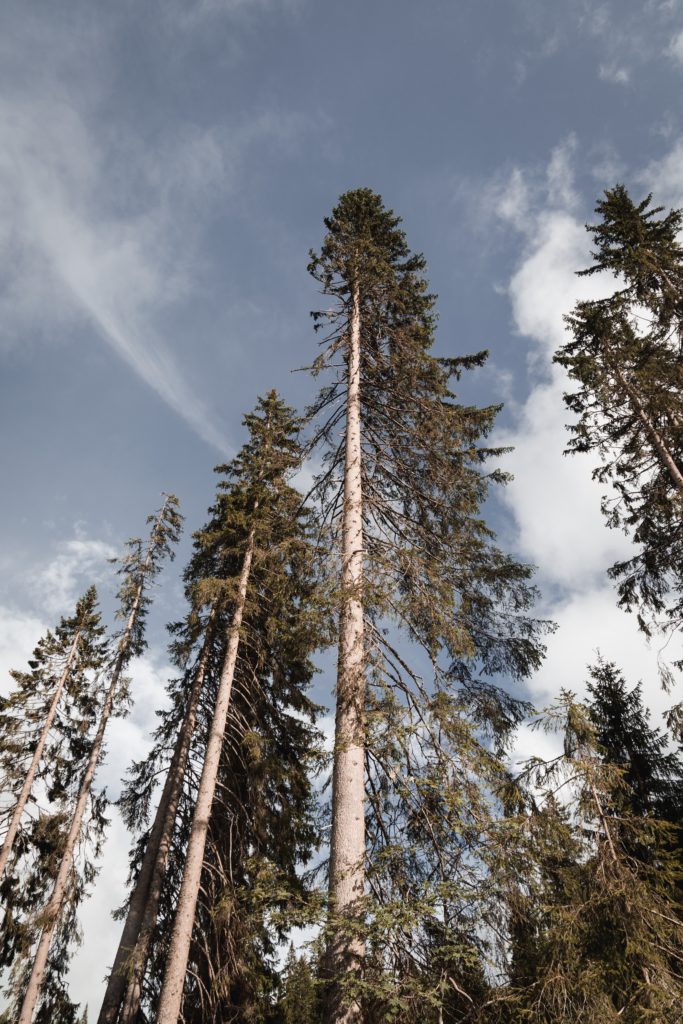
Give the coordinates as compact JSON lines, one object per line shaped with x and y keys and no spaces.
{"x":79,"y":562}
{"x":19,"y":634}
{"x":72,"y":257}
{"x":560,"y":174}
{"x":510,"y":199}
{"x":614,"y":73}
{"x":664,"y":177}
{"x":675,"y":48}
{"x":554,"y":501}
{"x":99,"y":228}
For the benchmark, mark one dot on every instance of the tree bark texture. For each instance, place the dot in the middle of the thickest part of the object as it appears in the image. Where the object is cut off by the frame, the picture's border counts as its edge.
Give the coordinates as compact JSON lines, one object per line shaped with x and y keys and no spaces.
{"x":656,"y":439}
{"x":124,"y":987}
{"x":347,"y":854}
{"x":174,"y":979}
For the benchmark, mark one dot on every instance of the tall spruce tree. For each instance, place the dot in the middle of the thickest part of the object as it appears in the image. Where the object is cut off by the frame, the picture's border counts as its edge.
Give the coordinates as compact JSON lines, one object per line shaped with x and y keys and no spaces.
{"x":47,"y":725}
{"x":626,"y":357}
{"x":401,"y":495}
{"x":244,"y":819}
{"x":141,"y":565}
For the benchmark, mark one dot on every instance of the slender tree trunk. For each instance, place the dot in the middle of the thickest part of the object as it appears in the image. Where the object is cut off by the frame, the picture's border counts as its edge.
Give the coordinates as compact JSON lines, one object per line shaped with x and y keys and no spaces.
{"x":660,"y":446}
{"x":56,"y":902}
{"x":176,"y":966}
{"x":22,"y":799}
{"x":347,"y":854}
{"x":124,"y":987}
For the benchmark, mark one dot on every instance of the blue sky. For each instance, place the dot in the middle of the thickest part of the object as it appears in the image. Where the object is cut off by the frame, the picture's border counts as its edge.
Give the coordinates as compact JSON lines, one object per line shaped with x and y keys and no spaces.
{"x":164,"y":169}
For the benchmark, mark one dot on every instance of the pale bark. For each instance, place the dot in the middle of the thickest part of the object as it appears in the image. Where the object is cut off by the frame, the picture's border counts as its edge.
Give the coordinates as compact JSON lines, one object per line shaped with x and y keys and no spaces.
{"x":22,"y":799}
{"x":124,"y":987}
{"x":347,"y":853}
{"x":658,"y":442}
{"x":174,"y":979}
{"x":52,"y":911}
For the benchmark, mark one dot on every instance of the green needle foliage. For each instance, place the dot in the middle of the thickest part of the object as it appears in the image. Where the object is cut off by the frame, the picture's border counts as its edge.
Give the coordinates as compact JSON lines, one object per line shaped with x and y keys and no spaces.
{"x":652,"y":779}
{"x":434,"y":577}
{"x":37,"y":850}
{"x":429,"y":554}
{"x":594,"y":911}
{"x":299,"y":999}
{"x":263,"y":823}
{"x":139,"y":568}
{"x":626,"y":358}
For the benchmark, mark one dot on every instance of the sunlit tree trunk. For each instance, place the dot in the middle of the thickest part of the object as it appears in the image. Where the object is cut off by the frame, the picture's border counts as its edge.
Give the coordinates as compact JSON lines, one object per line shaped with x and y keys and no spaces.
{"x":124,"y":987}
{"x":656,"y":440}
{"x":172,"y":991}
{"x":348,"y":781}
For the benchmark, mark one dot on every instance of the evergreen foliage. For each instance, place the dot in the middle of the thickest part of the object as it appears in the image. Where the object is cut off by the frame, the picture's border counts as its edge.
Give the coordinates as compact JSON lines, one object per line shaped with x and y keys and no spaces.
{"x":594,"y":913}
{"x":652,"y":772}
{"x":263,"y":822}
{"x":625,"y":356}
{"x":298,"y":1002}
{"x":35,"y":857}
{"x":55,"y":923}
{"x":422,"y":461}
{"x":432,"y":570}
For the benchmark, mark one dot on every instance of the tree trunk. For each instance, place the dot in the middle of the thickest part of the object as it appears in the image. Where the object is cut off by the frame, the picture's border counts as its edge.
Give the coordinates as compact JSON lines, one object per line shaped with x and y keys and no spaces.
{"x":347,"y":853}
{"x":22,"y":799}
{"x":55,"y":904}
{"x":176,"y":966}
{"x":658,"y":442}
{"x":124,"y":987}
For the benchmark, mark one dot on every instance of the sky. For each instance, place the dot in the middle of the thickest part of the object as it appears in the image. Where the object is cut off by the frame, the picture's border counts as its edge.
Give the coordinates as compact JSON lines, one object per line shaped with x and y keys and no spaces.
{"x":164,"y":170}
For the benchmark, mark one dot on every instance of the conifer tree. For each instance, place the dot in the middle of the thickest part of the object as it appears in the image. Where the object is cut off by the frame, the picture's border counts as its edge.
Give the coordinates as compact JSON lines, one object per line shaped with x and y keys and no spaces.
{"x":626,"y":357}
{"x":401,"y":495}
{"x":138,"y":569}
{"x":124,"y":987}
{"x":244,"y":822}
{"x":597,"y":934}
{"x":29,"y":713}
{"x":298,"y":1002}
{"x":651,"y":771}
{"x":51,"y":714}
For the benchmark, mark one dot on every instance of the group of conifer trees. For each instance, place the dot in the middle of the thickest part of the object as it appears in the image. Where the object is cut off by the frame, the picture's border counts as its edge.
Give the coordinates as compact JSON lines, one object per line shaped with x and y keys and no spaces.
{"x":437,"y":880}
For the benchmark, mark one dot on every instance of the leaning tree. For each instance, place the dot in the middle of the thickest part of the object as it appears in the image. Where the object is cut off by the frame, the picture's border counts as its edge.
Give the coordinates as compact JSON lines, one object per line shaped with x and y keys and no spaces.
{"x":236,"y":817}
{"x":139,"y":568}
{"x":625,"y":355}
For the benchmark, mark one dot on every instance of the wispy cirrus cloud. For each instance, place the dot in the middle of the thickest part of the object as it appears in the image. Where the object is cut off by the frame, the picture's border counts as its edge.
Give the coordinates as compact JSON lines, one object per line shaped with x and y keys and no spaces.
{"x":73,"y":257}
{"x":101,"y":227}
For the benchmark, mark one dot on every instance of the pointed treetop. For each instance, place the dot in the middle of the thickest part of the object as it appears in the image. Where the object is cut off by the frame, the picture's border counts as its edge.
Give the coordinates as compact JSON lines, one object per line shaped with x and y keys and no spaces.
{"x":365,"y":243}
{"x":635,"y":243}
